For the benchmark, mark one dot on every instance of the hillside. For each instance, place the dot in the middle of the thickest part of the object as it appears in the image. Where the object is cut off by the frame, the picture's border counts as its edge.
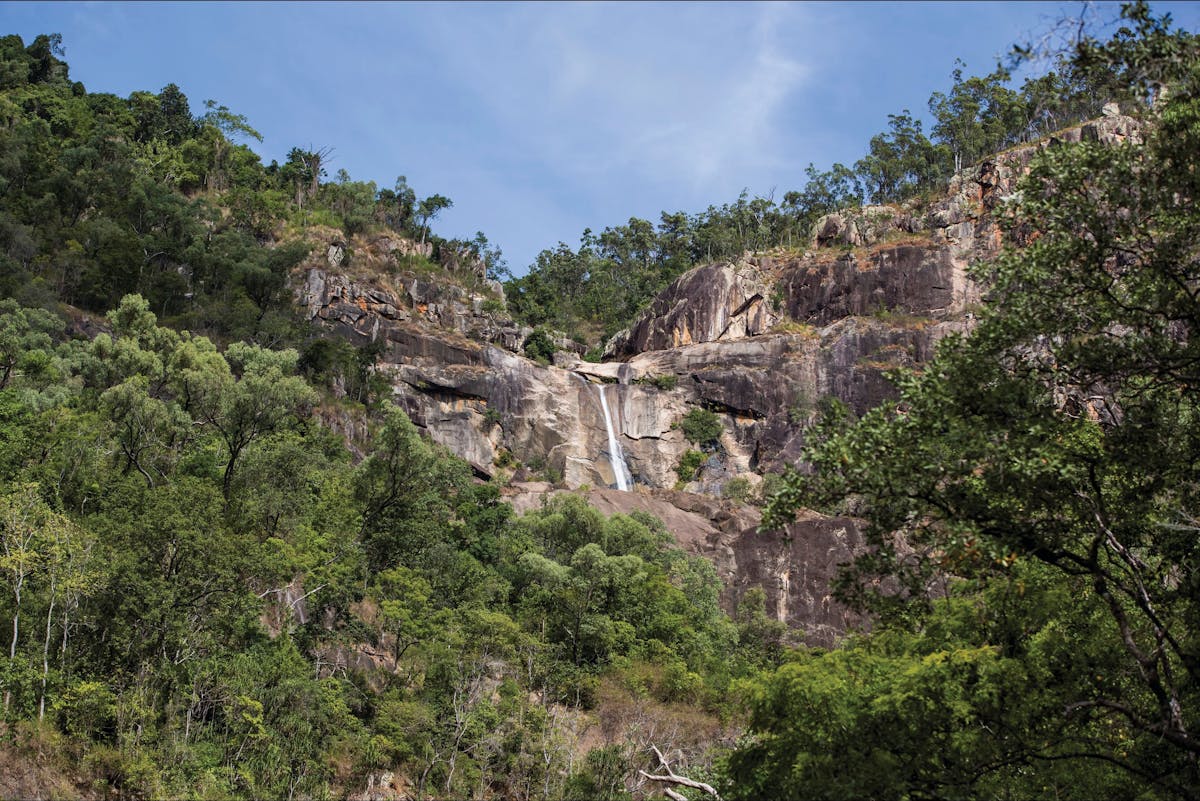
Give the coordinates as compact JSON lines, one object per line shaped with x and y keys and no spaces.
{"x":892,"y":500}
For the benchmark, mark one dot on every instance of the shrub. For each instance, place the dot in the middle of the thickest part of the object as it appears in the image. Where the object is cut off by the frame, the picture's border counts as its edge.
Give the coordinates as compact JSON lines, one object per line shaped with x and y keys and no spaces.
{"x":539,"y":347}
{"x":666,"y":381}
{"x":737,"y":489}
{"x":492,"y":416}
{"x":689,"y":465}
{"x":700,"y":426}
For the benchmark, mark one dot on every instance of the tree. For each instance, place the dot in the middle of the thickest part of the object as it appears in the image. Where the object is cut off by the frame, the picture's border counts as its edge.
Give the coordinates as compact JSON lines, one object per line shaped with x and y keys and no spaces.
{"x":979,"y":116}
{"x":265,"y":397}
{"x":396,"y":206}
{"x":1062,"y":431}
{"x":24,"y":519}
{"x":44,"y":66}
{"x":405,"y":489}
{"x":305,"y":169}
{"x":219,"y":125}
{"x":967,"y":706}
{"x":428,"y":209}
{"x":22,"y":333}
{"x":900,"y":162}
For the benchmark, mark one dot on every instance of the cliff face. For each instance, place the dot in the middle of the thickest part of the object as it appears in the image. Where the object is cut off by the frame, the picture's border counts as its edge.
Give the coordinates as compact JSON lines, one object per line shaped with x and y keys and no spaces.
{"x":762,"y":341}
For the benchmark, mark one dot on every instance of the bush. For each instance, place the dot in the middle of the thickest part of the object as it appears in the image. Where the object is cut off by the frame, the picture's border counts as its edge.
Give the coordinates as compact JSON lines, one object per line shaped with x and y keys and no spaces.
{"x":689,"y":465}
{"x":492,"y":417}
{"x":539,"y":347}
{"x":700,"y":426}
{"x":737,"y":489}
{"x":666,"y":381}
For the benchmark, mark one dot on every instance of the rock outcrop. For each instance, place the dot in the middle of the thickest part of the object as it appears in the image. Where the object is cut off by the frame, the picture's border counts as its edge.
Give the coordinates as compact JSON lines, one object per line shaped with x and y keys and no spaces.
{"x":714,"y":303}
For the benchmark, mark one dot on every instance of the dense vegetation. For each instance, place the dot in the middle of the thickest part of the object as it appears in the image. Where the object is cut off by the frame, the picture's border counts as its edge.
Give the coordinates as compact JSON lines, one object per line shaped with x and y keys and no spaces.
{"x":206,"y":594}
{"x":165,"y":508}
{"x":1049,"y":461}
{"x":102,"y":196}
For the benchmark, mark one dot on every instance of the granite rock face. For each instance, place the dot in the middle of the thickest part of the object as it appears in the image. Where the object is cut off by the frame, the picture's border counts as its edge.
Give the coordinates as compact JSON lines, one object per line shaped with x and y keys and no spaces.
{"x":714,"y":303}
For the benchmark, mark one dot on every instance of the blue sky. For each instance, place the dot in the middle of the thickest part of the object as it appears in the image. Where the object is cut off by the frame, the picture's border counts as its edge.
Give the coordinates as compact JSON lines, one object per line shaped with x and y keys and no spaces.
{"x":542,"y":119}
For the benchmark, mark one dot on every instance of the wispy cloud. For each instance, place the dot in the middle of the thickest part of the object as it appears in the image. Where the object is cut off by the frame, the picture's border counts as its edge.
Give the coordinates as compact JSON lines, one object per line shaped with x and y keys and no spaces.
{"x":683,"y":94}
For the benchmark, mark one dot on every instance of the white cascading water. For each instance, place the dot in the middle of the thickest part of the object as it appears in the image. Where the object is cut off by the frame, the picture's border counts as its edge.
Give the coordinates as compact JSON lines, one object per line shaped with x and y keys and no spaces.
{"x":616,"y":457}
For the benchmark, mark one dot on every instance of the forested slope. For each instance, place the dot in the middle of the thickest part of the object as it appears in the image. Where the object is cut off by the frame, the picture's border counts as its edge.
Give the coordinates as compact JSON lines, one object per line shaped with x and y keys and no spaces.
{"x":207,"y":592}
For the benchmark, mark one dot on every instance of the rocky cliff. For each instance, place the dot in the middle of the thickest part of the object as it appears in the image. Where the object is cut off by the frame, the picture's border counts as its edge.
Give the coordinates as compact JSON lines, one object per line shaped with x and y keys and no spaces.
{"x":762,"y":341}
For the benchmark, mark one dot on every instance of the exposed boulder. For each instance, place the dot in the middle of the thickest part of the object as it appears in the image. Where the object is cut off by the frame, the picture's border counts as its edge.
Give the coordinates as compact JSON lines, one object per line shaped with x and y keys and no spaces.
{"x":717,"y":302}
{"x":861,"y":227}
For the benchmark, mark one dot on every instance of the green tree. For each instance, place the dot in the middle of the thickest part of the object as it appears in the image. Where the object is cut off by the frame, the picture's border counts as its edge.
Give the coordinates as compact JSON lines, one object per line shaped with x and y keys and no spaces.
{"x":979,"y":116}
{"x":406,"y":489}
{"x":23,"y":334}
{"x":900,"y":162}
{"x":428,"y":209}
{"x":264,"y":397}
{"x":968,"y":705}
{"x":1062,"y":430}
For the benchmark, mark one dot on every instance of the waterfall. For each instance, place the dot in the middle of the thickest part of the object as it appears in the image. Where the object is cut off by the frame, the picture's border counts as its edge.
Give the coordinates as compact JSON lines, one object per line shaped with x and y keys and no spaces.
{"x":616,"y":457}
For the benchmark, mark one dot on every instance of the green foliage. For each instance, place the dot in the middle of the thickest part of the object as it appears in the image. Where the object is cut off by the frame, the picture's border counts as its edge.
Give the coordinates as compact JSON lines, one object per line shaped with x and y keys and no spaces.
{"x":901,"y":162}
{"x":539,"y":346}
{"x":689,"y":465}
{"x":1057,"y":440}
{"x":106,"y":196}
{"x":967,"y":707}
{"x":700,"y":426}
{"x":772,"y":484}
{"x":184,"y":548}
{"x":737,"y":489}
{"x":978,"y":117}
{"x":204,"y":595}
{"x":663,"y":381}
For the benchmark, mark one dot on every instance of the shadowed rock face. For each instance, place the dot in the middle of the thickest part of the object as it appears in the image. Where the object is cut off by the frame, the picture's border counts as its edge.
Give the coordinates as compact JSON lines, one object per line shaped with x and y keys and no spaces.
{"x":910,"y":279}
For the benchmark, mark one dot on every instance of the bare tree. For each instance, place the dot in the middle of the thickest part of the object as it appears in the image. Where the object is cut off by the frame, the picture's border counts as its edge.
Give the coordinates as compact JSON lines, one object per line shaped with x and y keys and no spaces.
{"x":671,"y":777}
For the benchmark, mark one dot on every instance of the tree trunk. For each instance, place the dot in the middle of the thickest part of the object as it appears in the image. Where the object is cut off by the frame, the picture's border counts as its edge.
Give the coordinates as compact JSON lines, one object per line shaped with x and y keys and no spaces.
{"x":46,"y":652}
{"x":12,"y":648}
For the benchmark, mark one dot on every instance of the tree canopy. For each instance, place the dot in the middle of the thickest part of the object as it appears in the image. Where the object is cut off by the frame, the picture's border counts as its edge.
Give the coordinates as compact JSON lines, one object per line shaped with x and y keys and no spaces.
{"x":1056,"y":440}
